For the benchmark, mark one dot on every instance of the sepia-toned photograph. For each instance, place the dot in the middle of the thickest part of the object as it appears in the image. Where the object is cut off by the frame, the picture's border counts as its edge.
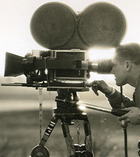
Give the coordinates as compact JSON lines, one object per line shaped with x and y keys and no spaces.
{"x":70,"y":78}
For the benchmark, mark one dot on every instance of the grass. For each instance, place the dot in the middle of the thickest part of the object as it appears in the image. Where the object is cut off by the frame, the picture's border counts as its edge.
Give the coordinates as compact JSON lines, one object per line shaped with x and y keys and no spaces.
{"x":19,"y":133}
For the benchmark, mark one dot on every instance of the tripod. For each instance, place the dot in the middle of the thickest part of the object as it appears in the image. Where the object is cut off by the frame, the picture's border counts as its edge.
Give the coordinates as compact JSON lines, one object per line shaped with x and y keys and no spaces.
{"x":66,"y":111}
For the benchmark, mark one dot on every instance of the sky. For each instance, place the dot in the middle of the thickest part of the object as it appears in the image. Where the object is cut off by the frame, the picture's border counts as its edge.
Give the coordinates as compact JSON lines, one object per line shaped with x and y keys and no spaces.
{"x":15,"y":16}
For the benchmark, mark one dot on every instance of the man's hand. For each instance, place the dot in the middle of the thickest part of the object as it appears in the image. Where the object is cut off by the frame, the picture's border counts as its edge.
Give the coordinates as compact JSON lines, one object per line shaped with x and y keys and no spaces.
{"x":101,"y":86}
{"x":133,"y":115}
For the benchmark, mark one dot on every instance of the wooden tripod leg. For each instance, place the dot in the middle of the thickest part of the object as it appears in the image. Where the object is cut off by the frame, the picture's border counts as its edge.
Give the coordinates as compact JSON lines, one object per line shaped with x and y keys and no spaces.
{"x":49,"y":130}
{"x":68,"y":138}
{"x":88,"y":138}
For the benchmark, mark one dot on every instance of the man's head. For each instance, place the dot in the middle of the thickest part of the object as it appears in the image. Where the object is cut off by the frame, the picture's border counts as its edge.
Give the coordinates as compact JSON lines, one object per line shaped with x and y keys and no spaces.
{"x":126,"y":64}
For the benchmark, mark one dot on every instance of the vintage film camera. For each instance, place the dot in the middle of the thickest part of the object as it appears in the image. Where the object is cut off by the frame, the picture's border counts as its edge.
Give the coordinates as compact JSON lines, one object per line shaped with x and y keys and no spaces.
{"x":64,"y":66}
{"x":68,"y":36}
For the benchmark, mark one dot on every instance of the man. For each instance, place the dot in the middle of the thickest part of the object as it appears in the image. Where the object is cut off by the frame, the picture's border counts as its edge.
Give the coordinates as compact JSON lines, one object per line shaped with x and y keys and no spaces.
{"x":126,"y":68}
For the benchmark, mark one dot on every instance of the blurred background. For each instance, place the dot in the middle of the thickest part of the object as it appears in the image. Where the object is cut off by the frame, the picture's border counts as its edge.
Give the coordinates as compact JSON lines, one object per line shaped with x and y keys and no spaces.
{"x":19,"y":105}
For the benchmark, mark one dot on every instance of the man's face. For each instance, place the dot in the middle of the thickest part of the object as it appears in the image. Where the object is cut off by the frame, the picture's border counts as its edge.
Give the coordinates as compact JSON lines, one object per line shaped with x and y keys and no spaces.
{"x":119,"y":71}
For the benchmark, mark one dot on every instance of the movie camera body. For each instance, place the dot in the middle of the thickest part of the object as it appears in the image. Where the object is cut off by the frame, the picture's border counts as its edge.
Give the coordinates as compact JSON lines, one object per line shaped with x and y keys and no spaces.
{"x":56,"y":69}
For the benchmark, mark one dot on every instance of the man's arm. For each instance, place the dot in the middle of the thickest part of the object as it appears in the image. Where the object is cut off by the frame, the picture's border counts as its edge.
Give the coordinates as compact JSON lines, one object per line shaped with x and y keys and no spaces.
{"x":114,"y":97}
{"x":115,"y":100}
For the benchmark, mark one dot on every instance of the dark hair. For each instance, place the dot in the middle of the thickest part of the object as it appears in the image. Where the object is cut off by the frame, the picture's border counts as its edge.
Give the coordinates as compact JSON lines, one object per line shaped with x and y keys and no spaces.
{"x":130,"y":52}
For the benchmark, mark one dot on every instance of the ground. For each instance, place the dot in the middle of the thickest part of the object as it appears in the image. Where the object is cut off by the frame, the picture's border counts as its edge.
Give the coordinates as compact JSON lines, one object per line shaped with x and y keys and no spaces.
{"x":19,"y":133}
